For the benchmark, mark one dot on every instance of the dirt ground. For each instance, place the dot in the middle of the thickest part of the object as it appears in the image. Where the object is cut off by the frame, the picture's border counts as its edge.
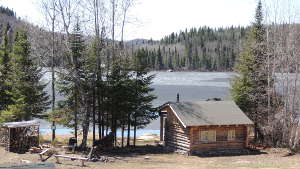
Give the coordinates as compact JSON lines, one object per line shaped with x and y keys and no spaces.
{"x":268,"y":159}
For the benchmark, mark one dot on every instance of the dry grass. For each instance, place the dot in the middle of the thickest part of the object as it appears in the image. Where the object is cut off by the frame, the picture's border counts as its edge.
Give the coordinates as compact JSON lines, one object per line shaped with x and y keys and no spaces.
{"x":63,"y":139}
{"x":271,"y":159}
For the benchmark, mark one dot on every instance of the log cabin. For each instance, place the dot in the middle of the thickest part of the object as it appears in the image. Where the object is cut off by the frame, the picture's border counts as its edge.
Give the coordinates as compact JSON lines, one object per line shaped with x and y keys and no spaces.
{"x":201,"y":126}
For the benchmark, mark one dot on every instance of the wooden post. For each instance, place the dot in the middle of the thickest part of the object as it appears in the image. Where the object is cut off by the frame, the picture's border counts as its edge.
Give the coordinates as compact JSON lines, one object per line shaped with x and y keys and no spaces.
{"x":38,"y":135}
{"x":191,"y":139}
{"x":57,"y":160}
{"x":247,"y":140}
{"x":161,"y":126}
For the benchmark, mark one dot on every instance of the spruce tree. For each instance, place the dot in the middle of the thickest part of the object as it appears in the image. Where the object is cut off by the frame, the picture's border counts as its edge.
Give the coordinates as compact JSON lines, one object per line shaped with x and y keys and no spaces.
{"x":159,"y":60}
{"x":250,"y":88}
{"x":76,"y":84}
{"x":26,"y":90}
{"x":143,"y":97}
{"x":4,"y":68}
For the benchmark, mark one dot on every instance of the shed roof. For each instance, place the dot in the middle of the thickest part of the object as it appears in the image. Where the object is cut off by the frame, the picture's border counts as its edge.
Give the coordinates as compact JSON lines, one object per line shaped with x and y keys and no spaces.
{"x":21,"y":124}
{"x":204,"y":113}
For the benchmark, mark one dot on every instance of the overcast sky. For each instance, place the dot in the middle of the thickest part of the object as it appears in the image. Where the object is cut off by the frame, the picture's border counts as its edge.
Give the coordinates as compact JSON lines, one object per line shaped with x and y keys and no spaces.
{"x":158,"y":18}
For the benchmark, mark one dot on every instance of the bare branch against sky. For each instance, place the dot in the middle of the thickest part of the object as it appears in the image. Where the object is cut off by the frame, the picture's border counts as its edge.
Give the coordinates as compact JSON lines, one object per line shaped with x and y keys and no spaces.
{"x":161,"y":17}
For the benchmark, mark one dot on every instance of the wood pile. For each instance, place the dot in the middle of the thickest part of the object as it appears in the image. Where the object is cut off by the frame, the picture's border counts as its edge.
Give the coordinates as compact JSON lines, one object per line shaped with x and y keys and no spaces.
{"x":19,"y":136}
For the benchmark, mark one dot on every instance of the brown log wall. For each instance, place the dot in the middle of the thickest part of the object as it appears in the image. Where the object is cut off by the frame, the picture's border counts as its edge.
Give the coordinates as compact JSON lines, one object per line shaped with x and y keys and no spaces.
{"x":176,"y":136}
{"x":221,"y":138}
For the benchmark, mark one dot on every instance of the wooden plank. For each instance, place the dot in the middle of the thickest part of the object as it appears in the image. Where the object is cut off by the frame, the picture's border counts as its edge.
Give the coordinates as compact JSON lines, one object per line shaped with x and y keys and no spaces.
{"x":211,"y":146}
{"x":180,"y":147}
{"x":71,"y":158}
{"x":175,"y":135}
{"x":178,"y":132}
{"x":178,"y":141}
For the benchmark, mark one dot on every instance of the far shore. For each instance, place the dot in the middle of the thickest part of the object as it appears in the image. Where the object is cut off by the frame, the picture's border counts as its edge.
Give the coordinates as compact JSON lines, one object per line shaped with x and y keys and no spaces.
{"x":62,"y":139}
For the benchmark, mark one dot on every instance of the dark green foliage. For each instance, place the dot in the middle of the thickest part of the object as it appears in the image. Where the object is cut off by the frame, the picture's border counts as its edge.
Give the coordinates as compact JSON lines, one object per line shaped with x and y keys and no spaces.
{"x":203,"y":49}
{"x":119,"y":96}
{"x":251,"y":85}
{"x":251,"y":89}
{"x":144,"y":112}
{"x":24,"y":89}
{"x":4,"y":68}
{"x":7,"y":11}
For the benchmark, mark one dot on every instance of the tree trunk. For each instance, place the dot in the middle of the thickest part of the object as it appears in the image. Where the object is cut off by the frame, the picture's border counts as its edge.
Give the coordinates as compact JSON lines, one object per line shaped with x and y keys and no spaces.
{"x":85,"y":128}
{"x":123,"y":128}
{"x":107,"y":126}
{"x":75,"y":113}
{"x":128,"y":130}
{"x":134,"y":134}
{"x":94,"y":115}
{"x":52,"y":68}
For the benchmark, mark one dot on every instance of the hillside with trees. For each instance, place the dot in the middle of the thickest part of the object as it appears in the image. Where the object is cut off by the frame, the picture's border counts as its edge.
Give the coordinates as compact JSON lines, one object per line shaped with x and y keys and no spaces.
{"x":197,"y":49}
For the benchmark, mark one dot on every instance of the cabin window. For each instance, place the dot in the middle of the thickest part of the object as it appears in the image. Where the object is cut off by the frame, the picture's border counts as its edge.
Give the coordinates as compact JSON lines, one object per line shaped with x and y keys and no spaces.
{"x":208,"y":136}
{"x":251,"y":131}
{"x":231,"y":135}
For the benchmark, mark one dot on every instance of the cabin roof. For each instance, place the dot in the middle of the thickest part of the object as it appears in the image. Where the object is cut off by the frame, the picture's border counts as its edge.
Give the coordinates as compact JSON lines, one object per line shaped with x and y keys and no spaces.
{"x":205,"y":113}
{"x":20,"y":124}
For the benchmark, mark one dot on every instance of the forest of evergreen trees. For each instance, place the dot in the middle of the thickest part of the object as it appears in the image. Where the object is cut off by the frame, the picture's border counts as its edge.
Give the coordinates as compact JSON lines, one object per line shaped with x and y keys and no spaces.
{"x":203,"y":49}
{"x":7,"y":11}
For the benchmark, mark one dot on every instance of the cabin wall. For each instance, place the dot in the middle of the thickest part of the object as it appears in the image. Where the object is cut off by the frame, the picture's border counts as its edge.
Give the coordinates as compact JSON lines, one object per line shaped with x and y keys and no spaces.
{"x":176,"y":136}
{"x":222,"y":141}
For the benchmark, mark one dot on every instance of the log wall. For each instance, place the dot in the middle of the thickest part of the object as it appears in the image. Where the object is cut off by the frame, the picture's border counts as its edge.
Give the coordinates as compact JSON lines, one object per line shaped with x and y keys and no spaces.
{"x":179,"y":138}
{"x":176,"y":136}
{"x":222,"y":141}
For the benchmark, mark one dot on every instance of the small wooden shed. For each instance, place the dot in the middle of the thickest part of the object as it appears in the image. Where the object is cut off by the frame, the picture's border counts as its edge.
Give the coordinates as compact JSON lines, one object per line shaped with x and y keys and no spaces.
{"x":193,"y":127}
{"x":19,"y":136}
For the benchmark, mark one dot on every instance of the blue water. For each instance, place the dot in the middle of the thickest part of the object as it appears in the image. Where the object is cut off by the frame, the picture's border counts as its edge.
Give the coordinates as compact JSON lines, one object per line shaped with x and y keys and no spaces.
{"x":138,"y":132}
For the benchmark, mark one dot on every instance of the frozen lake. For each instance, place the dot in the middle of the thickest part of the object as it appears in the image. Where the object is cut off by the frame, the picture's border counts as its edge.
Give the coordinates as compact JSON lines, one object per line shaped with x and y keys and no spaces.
{"x":191,"y":86}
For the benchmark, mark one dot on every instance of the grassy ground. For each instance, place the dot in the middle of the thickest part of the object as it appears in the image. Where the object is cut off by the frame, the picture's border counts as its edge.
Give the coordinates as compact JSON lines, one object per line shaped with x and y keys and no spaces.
{"x":146,"y":159}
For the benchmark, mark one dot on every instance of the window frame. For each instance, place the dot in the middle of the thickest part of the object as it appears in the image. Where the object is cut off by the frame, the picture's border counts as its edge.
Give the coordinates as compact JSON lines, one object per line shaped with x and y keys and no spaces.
{"x":231,"y":136}
{"x":206,"y":135}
